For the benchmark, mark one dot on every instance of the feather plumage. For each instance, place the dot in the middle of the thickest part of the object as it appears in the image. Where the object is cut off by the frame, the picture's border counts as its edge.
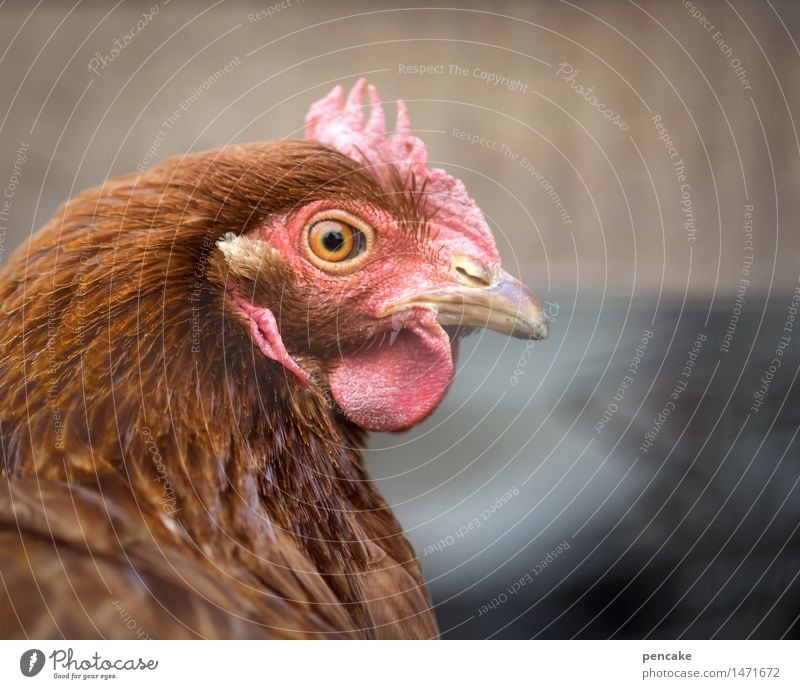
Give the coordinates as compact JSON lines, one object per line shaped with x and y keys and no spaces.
{"x":216,"y":461}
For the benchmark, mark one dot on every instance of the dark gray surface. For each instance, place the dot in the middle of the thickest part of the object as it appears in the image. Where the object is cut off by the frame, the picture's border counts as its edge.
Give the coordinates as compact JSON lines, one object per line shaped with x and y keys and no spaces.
{"x":696,"y":537}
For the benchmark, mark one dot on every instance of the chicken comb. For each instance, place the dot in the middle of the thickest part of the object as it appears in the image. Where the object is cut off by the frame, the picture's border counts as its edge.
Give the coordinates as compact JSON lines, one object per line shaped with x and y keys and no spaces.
{"x":342,"y":124}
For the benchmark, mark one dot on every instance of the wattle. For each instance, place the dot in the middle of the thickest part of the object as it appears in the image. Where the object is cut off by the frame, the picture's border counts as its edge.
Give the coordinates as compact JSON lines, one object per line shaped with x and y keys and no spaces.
{"x":398,"y":382}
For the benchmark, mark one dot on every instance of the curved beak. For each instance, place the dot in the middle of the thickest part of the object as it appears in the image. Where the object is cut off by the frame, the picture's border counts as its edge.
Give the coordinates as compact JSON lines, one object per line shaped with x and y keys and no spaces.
{"x":501,"y":303}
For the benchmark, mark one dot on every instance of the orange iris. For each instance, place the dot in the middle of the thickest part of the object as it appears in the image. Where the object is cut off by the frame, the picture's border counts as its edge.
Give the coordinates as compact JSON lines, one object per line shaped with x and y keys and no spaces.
{"x":332,"y":240}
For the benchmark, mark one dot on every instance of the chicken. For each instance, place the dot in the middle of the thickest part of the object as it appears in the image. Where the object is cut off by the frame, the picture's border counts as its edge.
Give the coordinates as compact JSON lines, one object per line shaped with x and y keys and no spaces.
{"x":190,"y":359}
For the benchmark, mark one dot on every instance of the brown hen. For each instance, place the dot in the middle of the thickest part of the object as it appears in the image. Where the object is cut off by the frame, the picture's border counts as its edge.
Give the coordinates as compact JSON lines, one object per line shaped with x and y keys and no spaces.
{"x":189,"y":360}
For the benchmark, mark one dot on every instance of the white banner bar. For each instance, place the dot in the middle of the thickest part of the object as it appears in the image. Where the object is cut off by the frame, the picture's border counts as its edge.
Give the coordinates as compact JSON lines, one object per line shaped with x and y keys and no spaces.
{"x":351,"y":665}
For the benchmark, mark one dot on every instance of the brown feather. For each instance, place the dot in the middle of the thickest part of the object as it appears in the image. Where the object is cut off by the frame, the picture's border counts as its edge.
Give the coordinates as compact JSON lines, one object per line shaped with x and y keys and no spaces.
{"x":176,"y":469}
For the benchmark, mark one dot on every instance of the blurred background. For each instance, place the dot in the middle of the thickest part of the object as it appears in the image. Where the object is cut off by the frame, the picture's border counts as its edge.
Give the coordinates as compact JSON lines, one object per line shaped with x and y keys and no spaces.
{"x":636,"y":475}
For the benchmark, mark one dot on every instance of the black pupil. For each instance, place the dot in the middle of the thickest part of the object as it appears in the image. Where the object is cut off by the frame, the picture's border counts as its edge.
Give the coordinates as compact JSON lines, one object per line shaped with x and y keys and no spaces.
{"x":333,"y":240}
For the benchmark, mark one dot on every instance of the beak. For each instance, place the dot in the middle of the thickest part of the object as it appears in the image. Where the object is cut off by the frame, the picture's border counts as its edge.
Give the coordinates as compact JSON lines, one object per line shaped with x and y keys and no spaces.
{"x":498,"y":302}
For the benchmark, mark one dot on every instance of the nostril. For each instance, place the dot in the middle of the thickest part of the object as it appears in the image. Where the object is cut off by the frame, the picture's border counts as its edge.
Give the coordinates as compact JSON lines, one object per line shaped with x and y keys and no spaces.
{"x":469,"y":279}
{"x":472,"y":272}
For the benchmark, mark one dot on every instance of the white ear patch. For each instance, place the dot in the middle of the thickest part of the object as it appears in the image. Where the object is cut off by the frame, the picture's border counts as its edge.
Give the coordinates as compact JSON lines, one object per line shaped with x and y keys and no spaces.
{"x":244,"y":254}
{"x":239,"y":247}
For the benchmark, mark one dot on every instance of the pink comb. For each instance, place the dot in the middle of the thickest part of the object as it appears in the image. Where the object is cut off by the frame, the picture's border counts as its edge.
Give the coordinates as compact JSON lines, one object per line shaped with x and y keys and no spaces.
{"x":342,"y":125}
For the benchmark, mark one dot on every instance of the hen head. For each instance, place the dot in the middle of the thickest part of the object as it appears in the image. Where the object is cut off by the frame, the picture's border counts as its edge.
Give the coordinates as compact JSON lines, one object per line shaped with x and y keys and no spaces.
{"x":369,"y":291}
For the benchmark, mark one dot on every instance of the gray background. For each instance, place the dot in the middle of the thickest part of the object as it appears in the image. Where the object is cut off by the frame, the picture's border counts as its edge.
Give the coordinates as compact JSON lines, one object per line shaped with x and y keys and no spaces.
{"x":695,"y":537}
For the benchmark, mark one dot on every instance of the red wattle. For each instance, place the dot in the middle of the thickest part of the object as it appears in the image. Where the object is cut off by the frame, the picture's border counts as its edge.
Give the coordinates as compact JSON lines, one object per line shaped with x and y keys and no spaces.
{"x":394,"y":385}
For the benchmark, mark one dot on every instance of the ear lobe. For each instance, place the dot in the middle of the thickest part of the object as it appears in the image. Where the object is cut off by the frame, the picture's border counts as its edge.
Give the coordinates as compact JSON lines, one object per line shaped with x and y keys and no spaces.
{"x":249,"y":258}
{"x":246,"y":256}
{"x":265,"y":333}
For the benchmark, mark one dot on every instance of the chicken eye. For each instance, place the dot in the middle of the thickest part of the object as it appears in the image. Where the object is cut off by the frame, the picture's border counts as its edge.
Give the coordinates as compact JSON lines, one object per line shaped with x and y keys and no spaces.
{"x":335,"y":241}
